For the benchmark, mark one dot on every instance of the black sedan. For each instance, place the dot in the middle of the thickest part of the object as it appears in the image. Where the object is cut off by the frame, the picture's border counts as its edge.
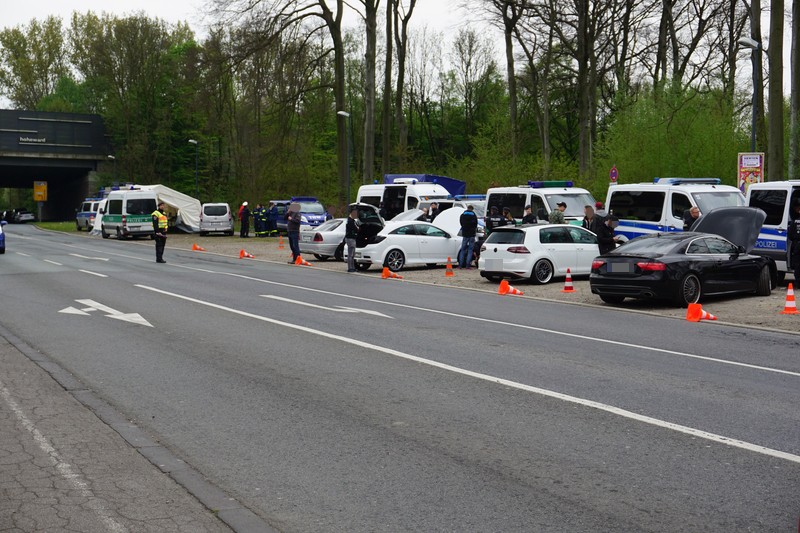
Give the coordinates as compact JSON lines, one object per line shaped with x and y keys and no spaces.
{"x":685,"y":266}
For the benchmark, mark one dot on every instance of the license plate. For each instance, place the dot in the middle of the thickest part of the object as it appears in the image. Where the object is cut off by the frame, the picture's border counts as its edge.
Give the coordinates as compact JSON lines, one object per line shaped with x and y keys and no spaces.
{"x":494,"y":264}
{"x":305,"y":238}
{"x":619,"y":268}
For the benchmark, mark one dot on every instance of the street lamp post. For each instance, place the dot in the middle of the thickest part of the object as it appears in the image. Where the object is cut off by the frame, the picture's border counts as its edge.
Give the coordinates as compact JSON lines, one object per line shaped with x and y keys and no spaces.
{"x":755,"y":46}
{"x":196,"y":183}
{"x":349,"y":119}
{"x":114,"y":159}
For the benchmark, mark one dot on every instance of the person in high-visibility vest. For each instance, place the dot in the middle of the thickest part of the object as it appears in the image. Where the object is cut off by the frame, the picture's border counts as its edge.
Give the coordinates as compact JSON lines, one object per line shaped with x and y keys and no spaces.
{"x":160,"y":224}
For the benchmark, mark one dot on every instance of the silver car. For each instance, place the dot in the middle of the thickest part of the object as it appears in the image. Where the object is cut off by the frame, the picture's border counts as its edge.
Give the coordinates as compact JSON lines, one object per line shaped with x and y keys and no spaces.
{"x":216,"y":217}
{"x":324,"y":241}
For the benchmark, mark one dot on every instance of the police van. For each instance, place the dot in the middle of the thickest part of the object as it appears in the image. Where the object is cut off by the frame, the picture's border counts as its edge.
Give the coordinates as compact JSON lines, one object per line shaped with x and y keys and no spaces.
{"x":775,"y":198}
{"x":644,"y":208}
{"x":128,"y":213}
{"x":542,"y":196}
{"x":401,"y":195}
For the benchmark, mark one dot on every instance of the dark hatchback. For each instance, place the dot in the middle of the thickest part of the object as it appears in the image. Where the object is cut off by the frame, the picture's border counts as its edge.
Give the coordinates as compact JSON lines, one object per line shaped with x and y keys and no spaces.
{"x":685,"y":266}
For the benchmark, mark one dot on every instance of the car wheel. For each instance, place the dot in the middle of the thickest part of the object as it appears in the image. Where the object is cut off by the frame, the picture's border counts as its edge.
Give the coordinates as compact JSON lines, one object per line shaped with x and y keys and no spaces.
{"x":610,"y":299}
{"x":103,"y":232}
{"x":77,"y":227}
{"x":338,"y":255}
{"x":764,"y":287}
{"x":321,"y":257}
{"x":542,"y":271}
{"x":395,"y":260}
{"x":689,"y":291}
{"x":2,"y":250}
{"x":363,"y":266}
{"x":119,"y":234}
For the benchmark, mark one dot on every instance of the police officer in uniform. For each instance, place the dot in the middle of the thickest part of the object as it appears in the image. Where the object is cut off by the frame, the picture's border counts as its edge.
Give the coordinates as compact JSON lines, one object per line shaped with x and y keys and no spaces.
{"x":494,"y":220}
{"x":160,"y":229}
{"x":793,"y":237}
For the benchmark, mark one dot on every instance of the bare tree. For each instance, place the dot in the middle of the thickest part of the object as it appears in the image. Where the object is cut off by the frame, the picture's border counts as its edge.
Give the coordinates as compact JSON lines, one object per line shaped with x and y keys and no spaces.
{"x":794,"y":115}
{"x":754,"y":9}
{"x":775,"y":145}
{"x":474,"y":67}
{"x":402,"y":17}
{"x":386,"y":125}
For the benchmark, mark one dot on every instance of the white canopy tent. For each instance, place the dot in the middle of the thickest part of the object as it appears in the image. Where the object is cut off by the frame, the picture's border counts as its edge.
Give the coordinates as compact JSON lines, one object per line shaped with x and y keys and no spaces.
{"x":187,"y":208}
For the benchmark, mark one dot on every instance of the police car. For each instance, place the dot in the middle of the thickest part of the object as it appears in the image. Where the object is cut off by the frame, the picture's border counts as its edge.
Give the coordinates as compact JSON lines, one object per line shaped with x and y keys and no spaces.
{"x":85,"y":215}
{"x":312,"y":212}
{"x":542,"y":196}
{"x":775,"y":198}
{"x":644,"y":208}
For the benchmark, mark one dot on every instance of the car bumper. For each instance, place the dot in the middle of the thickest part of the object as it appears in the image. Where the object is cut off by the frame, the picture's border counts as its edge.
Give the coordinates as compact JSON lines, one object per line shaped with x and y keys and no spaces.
{"x":660,"y":289}
{"x":504,"y":267}
{"x":319,"y":249}
{"x":216,"y":226}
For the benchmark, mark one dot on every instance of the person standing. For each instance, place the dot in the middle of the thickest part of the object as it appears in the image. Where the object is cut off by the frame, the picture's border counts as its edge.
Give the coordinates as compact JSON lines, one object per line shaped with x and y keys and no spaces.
{"x":434,"y":212}
{"x":272,"y":219}
{"x":600,"y":210}
{"x":557,"y":215}
{"x":350,"y":235}
{"x":606,"y":241}
{"x":293,"y":220}
{"x":529,"y":217}
{"x":793,"y":239}
{"x":590,"y":220}
{"x":494,"y":220}
{"x":469,"y":228}
{"x":257,"y":220}
{"x":244,"y":219}
{"x":160,"y":224}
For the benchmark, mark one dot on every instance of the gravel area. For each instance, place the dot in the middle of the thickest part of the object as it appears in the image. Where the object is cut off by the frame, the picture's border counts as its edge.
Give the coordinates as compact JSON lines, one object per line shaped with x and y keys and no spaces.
{"x":741,"y":310}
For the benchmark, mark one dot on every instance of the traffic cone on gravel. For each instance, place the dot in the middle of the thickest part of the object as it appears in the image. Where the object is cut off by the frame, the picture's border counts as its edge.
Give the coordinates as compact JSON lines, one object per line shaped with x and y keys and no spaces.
{"x":280,"y":242}
{"x":196,"y":248}
{"x":301,"y":262}
{"x":506,"y":289}
{"x":695,"y":313}
{"x":791,"y":307}
{"x":448,"y":271}
{"x":243,"y":255}
{"x":388,"y":274}
{"x":568,"y":283}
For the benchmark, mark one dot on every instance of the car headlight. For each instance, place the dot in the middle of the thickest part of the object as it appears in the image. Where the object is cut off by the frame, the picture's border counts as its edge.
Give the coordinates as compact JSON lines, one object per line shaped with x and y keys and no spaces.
{"x":303,"y":220}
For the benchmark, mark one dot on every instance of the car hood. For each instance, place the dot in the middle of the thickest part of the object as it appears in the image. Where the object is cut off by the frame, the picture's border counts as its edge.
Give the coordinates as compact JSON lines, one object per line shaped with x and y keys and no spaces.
{"x":449,"y":220}
{"x":740,"y":225}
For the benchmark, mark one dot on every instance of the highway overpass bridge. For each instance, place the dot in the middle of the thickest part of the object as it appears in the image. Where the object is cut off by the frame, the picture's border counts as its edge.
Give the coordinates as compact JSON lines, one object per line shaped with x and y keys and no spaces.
{"x":60,"y":149}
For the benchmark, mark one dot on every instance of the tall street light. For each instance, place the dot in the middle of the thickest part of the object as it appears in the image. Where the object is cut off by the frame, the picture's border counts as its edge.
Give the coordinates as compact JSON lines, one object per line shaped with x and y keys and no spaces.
{"x":349,"y":119}
{"x":114,"y":159}
{"x":196,"y":184}
{"x":755,"y":46}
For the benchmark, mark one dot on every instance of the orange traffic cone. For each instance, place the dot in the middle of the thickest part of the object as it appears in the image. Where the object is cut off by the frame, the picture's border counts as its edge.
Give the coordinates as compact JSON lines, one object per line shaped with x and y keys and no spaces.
{"x":388,"y":274}
{"x":449,"y":270}
{"x":791,"y":307}
{"x":695,"y":313}
{"x":196,"y":248}
{"x":280,"y":242}
{"x":506,"y":289}
{"x":301,"y":262}
{"x":243,"y":254}
{"x":568,"y":284}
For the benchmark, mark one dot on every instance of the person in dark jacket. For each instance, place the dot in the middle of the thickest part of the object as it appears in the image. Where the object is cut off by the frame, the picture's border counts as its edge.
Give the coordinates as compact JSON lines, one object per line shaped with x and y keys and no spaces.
{"x":591,"y":221}
{"x":690,"y":216}
{"x":494,"y":220}
{"x":469,"y":228}
{"x":529,"y":217}
{"x":272,"y":219}
{"x":244,"y":218}
{"x":434,"y":212}
{"x":350,"y":235}
{"x":793,"y":240}
{"x":606,"y":241}
{"x":293,"y":219}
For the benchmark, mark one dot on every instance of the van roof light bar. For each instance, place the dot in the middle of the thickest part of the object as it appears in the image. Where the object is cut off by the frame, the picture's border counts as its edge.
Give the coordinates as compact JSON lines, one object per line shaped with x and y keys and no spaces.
{"x":687,"y":181}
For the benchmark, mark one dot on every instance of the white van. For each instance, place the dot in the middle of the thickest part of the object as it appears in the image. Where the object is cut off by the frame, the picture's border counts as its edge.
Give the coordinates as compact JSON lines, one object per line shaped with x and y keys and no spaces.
{"x":216,"y":217}
{"x":129,"y":214}
{"x":402,"y":195}
{"x":542,"y":196}
{"x":644,"y":208}
{"x":775,"y":198}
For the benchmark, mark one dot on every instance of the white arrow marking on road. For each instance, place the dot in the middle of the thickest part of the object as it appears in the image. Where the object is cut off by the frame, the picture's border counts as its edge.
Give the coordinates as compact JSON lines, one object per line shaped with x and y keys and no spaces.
{"x":337,"y":309}
{"x":73,"y":311}
{"x":110,"y":312}
{"x":87,"y":257}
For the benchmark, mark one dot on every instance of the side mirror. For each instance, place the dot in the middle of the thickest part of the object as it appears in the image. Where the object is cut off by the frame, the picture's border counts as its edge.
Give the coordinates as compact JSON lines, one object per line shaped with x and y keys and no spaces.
{"x":102,"y":211}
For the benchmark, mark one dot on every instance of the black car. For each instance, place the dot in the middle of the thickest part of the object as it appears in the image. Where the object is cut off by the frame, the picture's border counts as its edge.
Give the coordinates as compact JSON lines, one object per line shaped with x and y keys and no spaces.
{"x":685,"y":266}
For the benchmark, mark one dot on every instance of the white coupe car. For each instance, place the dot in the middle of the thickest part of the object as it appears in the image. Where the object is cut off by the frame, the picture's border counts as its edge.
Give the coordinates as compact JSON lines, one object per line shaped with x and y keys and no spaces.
{"x":538,"y":252}
{"x":324,"y":241}
{"x":399,"y":244}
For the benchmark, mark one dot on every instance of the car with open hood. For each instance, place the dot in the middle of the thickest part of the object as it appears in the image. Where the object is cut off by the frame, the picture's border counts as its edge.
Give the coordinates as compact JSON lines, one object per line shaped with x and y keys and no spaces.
{"x":684,"y":267}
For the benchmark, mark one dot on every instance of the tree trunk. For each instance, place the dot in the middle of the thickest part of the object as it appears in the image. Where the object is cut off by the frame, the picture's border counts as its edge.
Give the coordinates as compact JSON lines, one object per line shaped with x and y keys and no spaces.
{"x":509,"y":21}
{"x":584,"y":89}
{"x":386,"y":127}
{"x":775,"y":145}
{"x":755,"y":34}
{"x":794,"y":116}
{"x":369,"y":89}
{"x":401,"y":41}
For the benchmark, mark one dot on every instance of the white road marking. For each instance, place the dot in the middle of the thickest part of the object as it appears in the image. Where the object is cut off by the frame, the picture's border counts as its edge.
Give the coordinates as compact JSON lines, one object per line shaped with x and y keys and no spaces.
{"x":698,"y":433}
{"x":136,"y":318}
{"x":92,"y":258}
{"x":73,"y":311}
{"x":52,"y":262}
{"x":62,"y":467}
{"x":337,"y":309}
{"x":23,"y":255}
{"x":99,"y":275}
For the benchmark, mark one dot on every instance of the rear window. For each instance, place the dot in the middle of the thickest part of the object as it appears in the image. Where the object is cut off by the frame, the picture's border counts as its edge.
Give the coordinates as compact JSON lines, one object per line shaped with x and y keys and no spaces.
{"x":647,"y":246}
{"x":215,"y":210}
{"x":637,"y":205}
{"x":140,"y":206}
{"x":87,"y":206}
{"x":499,"y":236}
{"x":772,"y":202}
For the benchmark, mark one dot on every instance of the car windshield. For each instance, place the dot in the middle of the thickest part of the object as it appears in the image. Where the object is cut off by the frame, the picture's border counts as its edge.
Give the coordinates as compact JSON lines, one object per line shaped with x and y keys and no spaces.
{"x":649,"y":246}
{"x":312,"y":208}
{"x":506,"y":237}
{"x":575,"y":202}
{"x":707,"y":201}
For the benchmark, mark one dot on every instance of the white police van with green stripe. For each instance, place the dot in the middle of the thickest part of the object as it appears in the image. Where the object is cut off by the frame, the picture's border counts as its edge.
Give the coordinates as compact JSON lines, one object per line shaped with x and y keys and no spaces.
{"x":644,"y":208}
{"x":128,"y":213}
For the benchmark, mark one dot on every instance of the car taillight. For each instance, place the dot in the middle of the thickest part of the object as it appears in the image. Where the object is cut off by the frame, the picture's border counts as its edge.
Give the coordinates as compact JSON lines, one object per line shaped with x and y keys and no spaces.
{"x":124,"y":221}
{"x":517,"y":250}
{"x":317,"y":237}
{"x":597,"y":263}
{"x":651,"y":266}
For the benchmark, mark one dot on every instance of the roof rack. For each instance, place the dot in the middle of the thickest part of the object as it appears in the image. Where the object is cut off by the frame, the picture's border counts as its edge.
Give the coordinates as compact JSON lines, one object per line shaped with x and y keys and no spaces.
{"x":545,"y":184}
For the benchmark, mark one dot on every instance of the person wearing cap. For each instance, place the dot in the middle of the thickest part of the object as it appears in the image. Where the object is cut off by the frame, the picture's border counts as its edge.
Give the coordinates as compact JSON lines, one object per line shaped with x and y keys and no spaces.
{"x":590,"y":220}
{"x":244,"y":218}
{"x":606,"y":240}
{"x":600,"y":210}
{"x":160,"y":224}
{"x":494,"y":220}
{"x":557,"y":215}
{"x":793,"y":239}
{"x":529,"y":217}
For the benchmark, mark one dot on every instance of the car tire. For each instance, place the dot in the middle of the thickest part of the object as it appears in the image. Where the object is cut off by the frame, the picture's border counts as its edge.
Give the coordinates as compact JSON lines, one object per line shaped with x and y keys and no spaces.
{"x":103,"y":232}
{"x":542,"y":272}
{"x":612,"y":299}
{"x":395,"y":260}
{"x":781,"y":277}
{"x":689,"y":290}
{"x":338,"y":255}
{"x":119,"y":234}
{"x":321,"y":257}
{"x":764,"y":287}
{"x":363,"y":266}
{"x":77,"y":227}
{"x":2,"y":250}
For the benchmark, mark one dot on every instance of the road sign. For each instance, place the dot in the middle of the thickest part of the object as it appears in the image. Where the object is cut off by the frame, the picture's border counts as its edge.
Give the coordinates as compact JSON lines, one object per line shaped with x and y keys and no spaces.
{"x":39,"y":191}
{"x":613,"y":174}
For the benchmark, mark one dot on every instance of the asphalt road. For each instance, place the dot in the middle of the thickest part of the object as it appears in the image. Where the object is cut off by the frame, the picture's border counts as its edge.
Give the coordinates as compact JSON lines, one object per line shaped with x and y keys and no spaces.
{"x":327,"y":401}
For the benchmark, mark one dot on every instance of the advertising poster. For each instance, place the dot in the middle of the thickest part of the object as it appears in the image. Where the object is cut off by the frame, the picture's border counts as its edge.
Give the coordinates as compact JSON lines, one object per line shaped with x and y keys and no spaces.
{"x":750,"y":169}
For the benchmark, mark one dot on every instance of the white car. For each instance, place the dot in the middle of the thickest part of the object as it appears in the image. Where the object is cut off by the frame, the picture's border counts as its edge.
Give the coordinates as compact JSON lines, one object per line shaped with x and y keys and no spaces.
{"x":538,"y":252}
{"x":410,"y":242}
{"x":324,"y":241}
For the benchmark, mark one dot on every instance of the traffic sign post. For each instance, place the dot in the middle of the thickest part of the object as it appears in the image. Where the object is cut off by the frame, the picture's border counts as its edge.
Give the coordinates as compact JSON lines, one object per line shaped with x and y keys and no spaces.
{"x":612,"y":175}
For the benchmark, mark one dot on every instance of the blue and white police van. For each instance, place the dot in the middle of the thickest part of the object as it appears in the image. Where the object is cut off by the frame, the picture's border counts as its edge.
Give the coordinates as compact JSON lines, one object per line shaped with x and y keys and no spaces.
{"x":775,"y":198}
{"x":644,"y":208}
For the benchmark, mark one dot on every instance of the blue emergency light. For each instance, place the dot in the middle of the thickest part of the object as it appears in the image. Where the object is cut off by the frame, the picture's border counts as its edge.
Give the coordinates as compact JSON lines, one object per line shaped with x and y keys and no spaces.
{"x":687,"y":181}
{"x":545,"y":184}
